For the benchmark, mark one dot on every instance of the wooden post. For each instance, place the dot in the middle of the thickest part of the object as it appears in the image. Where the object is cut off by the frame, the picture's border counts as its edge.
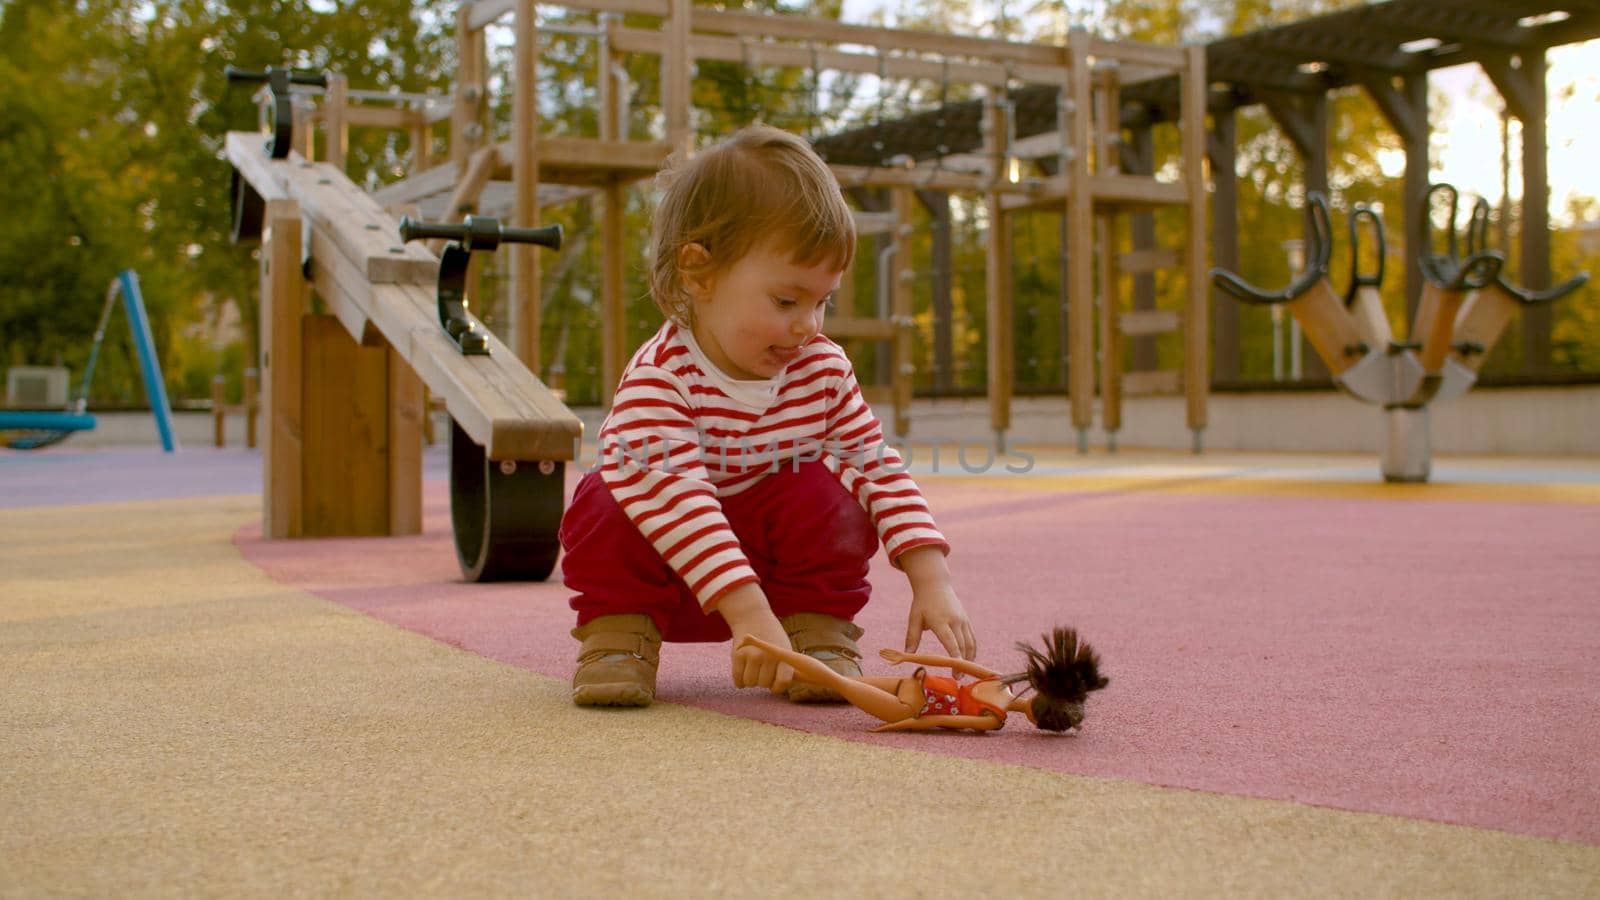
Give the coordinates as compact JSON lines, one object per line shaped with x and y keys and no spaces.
{"x":1534,"y":258}
{"x":997,"y":272}
{"x":466,"y":128}
{"x":613,"y":252}
{"x":283,"y":304}
{"x":1107,"y":155}
{"x":1079,"y":213}
{"x":345,"y":487}
{"x":333,"y":119}
{"x":1224,"y":238}
{"x":1196,"y":336}
{"x":252,"y":405}
{"x":900,"y":307}
{"x":219,"y":412}
{"x":676,"y":66}
{"x":525,"y":179}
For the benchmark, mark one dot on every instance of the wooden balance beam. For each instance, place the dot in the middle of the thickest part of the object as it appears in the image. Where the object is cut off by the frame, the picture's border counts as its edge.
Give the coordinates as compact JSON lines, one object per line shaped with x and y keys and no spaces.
{"x":344,"y":392}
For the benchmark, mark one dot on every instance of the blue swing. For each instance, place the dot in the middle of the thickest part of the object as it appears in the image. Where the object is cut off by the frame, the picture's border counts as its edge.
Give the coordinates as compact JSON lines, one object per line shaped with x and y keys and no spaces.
{"x":32,"y":429}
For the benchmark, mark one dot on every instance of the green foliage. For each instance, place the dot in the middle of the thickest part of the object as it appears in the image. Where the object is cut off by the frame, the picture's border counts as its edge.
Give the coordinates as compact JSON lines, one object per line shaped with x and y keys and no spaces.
{"x":111,"y":127}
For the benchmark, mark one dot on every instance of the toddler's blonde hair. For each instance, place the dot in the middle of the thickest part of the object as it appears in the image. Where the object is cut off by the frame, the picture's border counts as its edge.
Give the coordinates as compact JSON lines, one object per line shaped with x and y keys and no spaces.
{"x":760,"y":184}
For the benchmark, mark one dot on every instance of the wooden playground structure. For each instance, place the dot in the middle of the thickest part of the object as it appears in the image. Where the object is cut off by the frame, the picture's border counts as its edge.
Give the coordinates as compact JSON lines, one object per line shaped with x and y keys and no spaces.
{"x":1082,"y":176}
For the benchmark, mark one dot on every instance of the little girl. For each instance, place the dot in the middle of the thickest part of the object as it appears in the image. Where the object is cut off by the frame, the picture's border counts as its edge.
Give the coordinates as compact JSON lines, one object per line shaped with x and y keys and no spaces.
{"x":744,"y":484}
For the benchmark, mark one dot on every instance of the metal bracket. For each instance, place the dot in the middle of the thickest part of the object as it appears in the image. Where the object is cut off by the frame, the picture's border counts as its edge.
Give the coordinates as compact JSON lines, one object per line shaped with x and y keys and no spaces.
{"x":476,"y":233}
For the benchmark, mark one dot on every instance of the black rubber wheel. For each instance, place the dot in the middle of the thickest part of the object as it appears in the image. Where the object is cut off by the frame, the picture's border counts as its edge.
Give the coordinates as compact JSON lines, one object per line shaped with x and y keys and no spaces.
{"x":248,"y":211}
{"x":505,"y":514}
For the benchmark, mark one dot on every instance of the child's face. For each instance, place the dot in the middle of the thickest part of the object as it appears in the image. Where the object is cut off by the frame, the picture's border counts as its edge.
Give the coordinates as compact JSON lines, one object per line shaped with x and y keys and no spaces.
{"x":752,"y":318}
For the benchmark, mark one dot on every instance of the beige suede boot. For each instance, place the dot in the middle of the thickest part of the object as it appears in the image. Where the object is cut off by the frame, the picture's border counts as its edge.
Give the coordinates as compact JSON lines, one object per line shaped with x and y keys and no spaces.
{"x":616,"y":662}
{"x":830,"y":639}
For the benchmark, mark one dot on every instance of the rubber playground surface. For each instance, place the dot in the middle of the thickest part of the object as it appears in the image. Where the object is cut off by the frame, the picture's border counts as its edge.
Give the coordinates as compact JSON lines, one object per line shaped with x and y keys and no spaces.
{"x":1320,"y":685}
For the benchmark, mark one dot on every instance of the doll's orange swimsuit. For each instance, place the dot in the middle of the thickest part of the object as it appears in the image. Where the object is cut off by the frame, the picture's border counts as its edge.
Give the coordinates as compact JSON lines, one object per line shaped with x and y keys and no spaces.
{"x":945,"y":697}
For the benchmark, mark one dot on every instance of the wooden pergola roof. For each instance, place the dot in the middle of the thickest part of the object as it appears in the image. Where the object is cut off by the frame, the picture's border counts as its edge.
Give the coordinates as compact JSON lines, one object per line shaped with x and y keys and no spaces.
{"x":1374,"y":42}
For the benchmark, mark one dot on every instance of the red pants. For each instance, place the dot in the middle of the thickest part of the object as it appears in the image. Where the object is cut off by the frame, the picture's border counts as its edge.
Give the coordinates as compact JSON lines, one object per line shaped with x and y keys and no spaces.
{"x":808,"y":540}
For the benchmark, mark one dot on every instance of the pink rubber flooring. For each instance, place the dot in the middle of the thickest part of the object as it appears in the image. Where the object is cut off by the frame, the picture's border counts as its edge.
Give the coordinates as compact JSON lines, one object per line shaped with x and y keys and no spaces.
{"x":1429,"y":659}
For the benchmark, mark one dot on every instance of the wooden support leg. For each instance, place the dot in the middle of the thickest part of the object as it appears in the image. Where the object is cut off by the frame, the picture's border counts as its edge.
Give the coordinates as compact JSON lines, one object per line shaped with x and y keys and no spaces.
{"x":283,"y":303}
{"x":407,"y":409}
{"x":345,"y":490}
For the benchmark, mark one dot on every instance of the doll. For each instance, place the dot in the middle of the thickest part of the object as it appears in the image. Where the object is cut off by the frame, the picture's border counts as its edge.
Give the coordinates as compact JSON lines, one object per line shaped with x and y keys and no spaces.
{"x":1061,"y":676}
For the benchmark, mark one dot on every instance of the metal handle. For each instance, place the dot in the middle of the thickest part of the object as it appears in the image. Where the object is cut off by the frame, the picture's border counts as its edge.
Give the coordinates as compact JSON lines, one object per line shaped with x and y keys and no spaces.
{"x":1318,"y":249}
{"x":278,"y":80}
{"x":1480,"y":268}
{"x":480,"y":233}
{"x":1364,"y":213}
{"x":234,"y":73}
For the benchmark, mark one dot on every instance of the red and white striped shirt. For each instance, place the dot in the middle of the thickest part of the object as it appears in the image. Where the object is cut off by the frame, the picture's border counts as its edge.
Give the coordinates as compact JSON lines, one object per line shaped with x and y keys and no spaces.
{"x":681,"y":434}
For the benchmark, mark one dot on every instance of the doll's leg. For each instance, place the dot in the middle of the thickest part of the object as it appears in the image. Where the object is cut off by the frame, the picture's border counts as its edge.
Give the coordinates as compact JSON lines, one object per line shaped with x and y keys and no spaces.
{"x":867,"y":696}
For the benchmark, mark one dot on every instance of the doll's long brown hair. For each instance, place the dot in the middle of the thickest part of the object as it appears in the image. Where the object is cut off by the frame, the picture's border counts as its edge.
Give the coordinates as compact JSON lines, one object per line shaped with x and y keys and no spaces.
{"x":1061,"y":675}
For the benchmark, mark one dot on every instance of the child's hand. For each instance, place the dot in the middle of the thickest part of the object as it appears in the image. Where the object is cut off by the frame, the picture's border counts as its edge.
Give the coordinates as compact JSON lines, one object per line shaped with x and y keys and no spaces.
{"x":935,"y":606}
{"x":895,"y":657}
{"x":748,"y":615}
{"x":939,"y":610}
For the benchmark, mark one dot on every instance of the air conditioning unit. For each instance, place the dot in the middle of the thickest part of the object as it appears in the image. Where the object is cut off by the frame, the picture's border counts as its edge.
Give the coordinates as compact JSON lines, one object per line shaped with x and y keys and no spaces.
{"x":37,"y":387}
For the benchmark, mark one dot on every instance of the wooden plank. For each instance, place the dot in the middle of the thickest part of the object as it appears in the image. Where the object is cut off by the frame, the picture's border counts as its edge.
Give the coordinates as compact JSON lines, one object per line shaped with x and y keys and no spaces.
{"x":486,"y":12}
{"x":383,"y":117}
{"x":869,"y":223}
{"x":1137,"y":190}
{"x":809,"y":28}
{"x":436,"y":180}
{"x":1146,"y":322}
{"x":498,"y":401}
{"x":639,"y":40}
{"x":1143,"y":384}
{"x":1150,"y":259}
{"x":851,"y":328}
{"x":283,"y":303}
{"x":345,"y":490}
{"x":362,"y":230}
{"x":1168,"y":59}
{"x":247,"y":152}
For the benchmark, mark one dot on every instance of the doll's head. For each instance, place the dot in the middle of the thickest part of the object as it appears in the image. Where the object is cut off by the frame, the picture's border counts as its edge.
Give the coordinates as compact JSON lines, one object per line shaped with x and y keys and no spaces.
{"x":760,"y":186}
{"x":1061,"y":675}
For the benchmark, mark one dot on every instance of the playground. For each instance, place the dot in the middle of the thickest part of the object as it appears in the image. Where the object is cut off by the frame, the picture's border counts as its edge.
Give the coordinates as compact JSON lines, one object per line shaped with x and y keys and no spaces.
{"x":1348,"y":624}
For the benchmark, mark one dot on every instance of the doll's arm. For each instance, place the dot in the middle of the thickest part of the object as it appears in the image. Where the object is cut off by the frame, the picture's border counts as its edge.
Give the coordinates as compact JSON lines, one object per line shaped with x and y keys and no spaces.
{"x":944,"y":662}
{"x":929,"y":723}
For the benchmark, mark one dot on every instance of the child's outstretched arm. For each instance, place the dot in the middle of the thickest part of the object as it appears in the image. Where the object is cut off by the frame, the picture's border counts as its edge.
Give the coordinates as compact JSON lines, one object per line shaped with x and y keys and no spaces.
{"x":934,"y":604}
{"x":931,"y":659}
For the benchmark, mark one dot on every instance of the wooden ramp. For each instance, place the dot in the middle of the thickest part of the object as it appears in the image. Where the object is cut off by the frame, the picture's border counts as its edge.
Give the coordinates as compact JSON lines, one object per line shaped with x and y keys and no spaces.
{"x":343,"y":391}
